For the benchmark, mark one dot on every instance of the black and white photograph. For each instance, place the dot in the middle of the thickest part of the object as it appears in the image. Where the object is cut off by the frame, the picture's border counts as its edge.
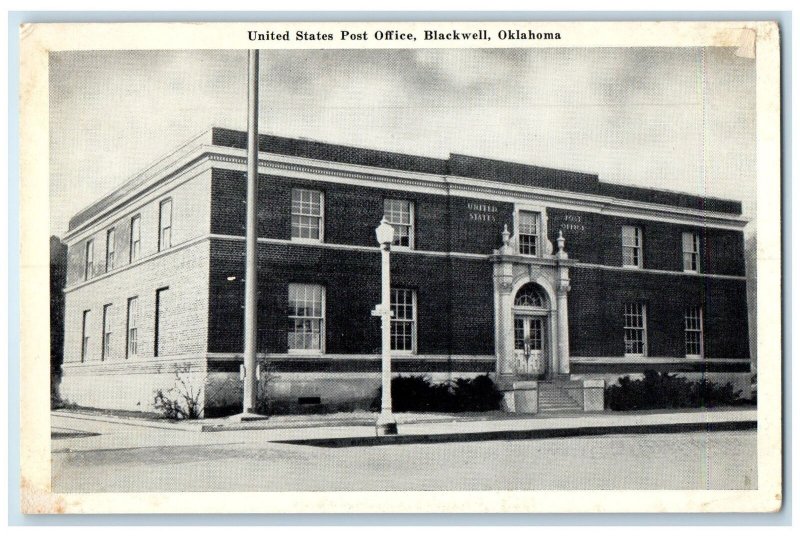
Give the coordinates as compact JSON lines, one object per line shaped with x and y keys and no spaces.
{"x":399,"y":258}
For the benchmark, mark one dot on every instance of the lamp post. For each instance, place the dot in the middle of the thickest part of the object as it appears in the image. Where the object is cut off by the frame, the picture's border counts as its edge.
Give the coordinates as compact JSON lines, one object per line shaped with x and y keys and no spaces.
{"x":386,"y":423}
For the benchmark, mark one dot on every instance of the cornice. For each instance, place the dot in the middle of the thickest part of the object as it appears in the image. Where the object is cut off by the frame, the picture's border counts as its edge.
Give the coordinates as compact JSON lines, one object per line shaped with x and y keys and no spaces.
{"x":319,"y":170}
{"x":481,"y":188}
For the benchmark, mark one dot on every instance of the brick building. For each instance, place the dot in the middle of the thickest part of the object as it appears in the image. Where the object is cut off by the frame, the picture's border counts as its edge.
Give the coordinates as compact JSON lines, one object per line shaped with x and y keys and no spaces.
{"x":511,"y":269}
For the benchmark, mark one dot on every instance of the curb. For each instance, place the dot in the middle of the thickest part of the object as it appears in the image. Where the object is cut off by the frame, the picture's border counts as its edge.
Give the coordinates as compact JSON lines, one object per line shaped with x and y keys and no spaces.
{"x":529,"y":434}
{"x":135,"y":422}
{"x":263,"y":426}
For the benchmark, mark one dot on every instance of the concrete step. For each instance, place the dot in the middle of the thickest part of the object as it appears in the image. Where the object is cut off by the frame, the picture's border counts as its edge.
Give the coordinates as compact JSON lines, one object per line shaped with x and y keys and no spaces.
{"x":558,"y":402}
{"x":556,"y":393}
{"x":555,"y":397}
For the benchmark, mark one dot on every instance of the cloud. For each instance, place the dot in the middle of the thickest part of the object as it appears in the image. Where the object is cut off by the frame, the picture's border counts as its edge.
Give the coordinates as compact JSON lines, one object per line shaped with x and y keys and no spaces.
{"x":632,"y":115}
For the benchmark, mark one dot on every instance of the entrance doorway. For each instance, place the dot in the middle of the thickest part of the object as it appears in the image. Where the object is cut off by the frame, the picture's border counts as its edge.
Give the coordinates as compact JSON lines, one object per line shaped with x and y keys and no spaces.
{"x":531,"y":315}
{"x":529,"y":345}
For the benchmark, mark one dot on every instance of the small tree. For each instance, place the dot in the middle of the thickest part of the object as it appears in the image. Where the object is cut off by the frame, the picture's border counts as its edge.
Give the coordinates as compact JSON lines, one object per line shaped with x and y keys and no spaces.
{"x":266,"y":377}
{"x":182,"y":401}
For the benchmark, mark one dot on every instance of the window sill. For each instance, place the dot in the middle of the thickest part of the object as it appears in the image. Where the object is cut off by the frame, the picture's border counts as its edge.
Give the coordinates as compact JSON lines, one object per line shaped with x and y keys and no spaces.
{"x":306,"y":241}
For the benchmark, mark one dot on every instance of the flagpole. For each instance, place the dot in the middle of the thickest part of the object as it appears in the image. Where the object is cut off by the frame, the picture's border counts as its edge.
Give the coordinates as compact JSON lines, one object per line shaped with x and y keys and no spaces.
{"x":251,"y":267}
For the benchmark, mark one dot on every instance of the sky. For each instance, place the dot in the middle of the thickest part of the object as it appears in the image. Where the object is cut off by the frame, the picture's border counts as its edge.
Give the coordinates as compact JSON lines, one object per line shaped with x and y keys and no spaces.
{"x":672,"y":118}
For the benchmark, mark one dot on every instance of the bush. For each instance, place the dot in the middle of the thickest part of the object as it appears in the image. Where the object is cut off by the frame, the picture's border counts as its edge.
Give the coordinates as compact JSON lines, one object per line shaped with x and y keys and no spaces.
{"x":182,"y":401}
{"x":419,"y":394}
{"x":479,"y":393}
{"x":55,"y":394}
{"x":664,"y":390}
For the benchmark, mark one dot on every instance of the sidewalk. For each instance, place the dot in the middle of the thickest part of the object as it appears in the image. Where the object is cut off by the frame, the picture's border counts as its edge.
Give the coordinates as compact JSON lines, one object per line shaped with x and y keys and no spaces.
{"x":357,"y":429}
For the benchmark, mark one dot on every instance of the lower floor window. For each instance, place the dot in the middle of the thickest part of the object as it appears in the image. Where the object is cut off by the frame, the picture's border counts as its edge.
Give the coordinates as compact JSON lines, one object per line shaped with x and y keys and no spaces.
{"x":693,"y":329}
{"x":306,"y":317}
{"x":635,"y":321}
{"x":133,"y":326}
{"x":85,"y":336}
{"x":106,"y":332}
{"x":404,"y":322}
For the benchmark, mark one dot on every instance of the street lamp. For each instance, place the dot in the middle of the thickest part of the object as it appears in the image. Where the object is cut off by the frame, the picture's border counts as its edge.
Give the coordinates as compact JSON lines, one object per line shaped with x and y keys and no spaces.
{"x":386,"y":423}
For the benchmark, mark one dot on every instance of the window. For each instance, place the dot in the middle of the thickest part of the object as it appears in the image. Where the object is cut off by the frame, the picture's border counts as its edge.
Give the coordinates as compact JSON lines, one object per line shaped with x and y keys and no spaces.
{"x":693,"y":329}
{"x":306,"y":317}
{"x":530,"y":329}
{"x":133,"y":327}
{"x":85,"y":336}
{"x":631,"y":246}
{"x":165,"y":225}
{"x":530,"y":295}
{"x":106,"y":351}
{"x":529,"y":233}
{"x":88,"y":270}
{"x":635,"y":330}
{"x":307,"y":208}
{"x":110,"y":247}
{"x":158,"y":339}
{"x":400,"y":214}
{"x":136,"y":237}
{"x":404,"y":322}
{"x":691,"y":252}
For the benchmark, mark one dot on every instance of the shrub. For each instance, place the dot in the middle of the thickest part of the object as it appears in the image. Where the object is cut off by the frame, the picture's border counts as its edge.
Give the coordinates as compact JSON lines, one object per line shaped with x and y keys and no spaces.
{"x":665,"y":390}
{"x":477,"y":394}
{"x":55,"y":394}
{"x":182,"y":401}
{"x":418,"y":394}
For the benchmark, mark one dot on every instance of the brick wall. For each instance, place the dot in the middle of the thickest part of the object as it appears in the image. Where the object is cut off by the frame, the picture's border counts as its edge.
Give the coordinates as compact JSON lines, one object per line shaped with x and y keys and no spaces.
{"x":353,"y":212}
{"x":597,"y":299}
{"x":190,"y":219}
{"x":183,"y":330}
{"x":597,"y":238}
{"x":454,"y":298}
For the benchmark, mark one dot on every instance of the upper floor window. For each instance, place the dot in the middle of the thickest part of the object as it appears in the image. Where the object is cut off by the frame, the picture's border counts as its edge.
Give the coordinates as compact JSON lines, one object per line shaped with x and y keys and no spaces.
{"x":400,"y":214}
{"x":165,"y":225}
{"x":110,"y":248}
{"x":136,"y":237}
{"x":106,"y":351}
{"x":404,"y":322}
{"x":631,"y":246}
{"x":133,"y":327}
{"x":307,"y":214}
{"x":635,"y":323}
{"x":691,"y":252}
{"x":693,"y":330}
{"x":88,"y":266}
{"x":529,"y":226}
{"x":306,"y":317}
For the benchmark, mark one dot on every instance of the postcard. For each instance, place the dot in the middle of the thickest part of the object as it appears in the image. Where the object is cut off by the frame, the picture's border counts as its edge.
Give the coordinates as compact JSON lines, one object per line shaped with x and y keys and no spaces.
{"x":401,"y":267}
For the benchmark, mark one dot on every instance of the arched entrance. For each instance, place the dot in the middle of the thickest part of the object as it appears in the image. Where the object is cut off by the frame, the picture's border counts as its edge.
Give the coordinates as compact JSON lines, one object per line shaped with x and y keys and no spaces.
{"x":532,"y":351}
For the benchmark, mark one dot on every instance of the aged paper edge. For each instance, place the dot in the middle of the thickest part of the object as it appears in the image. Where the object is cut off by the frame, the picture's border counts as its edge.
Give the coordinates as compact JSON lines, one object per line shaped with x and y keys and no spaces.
{"x":36,"y":495}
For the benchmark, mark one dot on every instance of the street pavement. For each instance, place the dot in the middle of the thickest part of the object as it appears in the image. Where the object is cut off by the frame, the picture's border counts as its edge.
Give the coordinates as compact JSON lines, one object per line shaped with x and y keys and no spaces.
{"x":106,"y":455}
